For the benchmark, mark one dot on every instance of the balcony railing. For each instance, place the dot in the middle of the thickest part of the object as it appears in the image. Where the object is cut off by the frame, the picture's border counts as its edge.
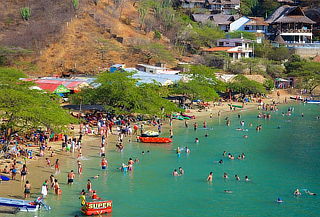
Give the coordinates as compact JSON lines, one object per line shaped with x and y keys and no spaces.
{"x":296,"y":30}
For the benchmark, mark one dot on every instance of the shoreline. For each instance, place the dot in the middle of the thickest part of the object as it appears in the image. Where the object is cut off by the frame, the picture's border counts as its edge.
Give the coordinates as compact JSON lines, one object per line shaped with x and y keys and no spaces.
{"x":38,"y":171}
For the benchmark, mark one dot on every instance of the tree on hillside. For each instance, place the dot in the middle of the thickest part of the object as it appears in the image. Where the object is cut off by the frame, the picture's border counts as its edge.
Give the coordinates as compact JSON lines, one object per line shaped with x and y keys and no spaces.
{"x":119,"y":93}
{"x":195,"y":90}
{"x":266,"y":50}
{"x":203,"y":84}
{"x":253,"y":65}
{"x":243,"y":85}
{"x":274,"y":69}
{"x":7,"y":54}
{"x":207,"y":75}
{"x":265,"y":7}
{"x":198,"y":36}
{"x":247,"y":6}
{"x":310,"y":3}
{"x":22,"y":109}
{"x":154,"y":51}
{"x":306,"y":71}
{"x":279,"y":54}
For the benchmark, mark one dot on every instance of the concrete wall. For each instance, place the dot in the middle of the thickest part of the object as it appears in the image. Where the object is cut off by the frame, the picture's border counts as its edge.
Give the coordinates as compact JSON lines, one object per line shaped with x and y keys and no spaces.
{"x":307,"y":52}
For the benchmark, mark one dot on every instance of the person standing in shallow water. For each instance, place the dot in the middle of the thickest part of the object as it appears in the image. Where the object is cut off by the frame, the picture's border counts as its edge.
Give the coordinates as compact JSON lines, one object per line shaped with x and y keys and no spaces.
{"x":210,"y":177}
{"x":195,"y":126}
{"x":56,"y":166}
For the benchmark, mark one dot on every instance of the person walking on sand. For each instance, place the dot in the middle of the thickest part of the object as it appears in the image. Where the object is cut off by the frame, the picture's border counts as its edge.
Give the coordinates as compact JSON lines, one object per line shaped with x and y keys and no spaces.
{"x":27,"y":189}
{"x":24,"y":172}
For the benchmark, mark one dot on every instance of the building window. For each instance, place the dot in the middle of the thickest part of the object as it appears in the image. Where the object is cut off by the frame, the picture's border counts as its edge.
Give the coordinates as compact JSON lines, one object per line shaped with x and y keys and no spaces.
{"x":220,"y":44}
{"x":246,"y":28}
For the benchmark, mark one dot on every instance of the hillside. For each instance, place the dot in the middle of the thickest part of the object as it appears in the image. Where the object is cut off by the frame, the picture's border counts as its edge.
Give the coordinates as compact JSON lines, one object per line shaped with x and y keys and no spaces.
{"x":64,"y":39}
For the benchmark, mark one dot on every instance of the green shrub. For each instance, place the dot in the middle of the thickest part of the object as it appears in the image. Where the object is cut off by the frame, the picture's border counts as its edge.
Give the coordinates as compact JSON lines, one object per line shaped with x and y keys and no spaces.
{"x":157,"y":35}
{"x":75,"y":4}
{"x":25,"y":13}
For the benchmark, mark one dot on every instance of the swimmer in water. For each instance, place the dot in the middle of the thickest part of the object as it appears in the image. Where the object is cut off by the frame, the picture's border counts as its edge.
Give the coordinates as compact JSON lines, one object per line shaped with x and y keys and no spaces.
{"x":206,"y":135}
{"x":237,"y":177}
{"x":181,"y":171}
{"x":310,"y":193}
{"x":245,"y":136}
{"x":279,"y":200}
{"x":224,"y":153}
{"x":246,"y":179}
{"x":187,"y":150}
{"x":297,"y":192}
{"x":221,"y":161}
{"x":225,"y":176}
{"x":228,"y":191}
{"x":96,"y":177}
{"x":175,"y":172}
{"x":197,"y":140}
{"x":210,"y":177}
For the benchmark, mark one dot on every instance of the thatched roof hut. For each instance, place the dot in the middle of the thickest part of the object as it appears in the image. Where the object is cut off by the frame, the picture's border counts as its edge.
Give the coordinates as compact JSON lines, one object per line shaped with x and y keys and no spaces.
{"x":289,"y":14}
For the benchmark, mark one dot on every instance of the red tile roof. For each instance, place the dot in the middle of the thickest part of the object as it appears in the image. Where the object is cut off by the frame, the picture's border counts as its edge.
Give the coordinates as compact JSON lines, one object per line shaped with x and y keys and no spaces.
{"x":214,"y":49}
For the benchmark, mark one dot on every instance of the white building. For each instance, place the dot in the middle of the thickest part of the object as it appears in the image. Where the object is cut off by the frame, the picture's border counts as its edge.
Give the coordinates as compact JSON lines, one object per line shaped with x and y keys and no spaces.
{"x":156,"y":69}
{"x":237,"y":48}
{"x":255,"y":25}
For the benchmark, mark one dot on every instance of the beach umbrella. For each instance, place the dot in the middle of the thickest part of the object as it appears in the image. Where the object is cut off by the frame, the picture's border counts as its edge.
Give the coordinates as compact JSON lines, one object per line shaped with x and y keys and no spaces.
{"x":61,"y":89}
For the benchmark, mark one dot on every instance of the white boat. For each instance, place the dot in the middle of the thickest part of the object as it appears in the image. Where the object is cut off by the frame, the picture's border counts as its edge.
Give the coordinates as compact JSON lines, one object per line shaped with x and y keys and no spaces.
{"x":313,"y":101}
{"x":23,"y":205}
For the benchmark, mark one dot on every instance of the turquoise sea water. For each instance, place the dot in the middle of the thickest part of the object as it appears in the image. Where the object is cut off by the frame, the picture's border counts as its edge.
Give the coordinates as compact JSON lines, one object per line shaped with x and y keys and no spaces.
{"x":277,"y":161}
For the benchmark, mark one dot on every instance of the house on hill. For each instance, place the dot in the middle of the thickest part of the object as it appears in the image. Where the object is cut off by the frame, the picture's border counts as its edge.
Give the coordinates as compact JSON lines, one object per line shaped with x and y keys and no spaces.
{"x":237,"y":48}
{"x":289,"y":24}
{"x":193,"y":3}
{"x":255,"y":25}
{"x":216,"y":6}
{"x":223,"y":6}
{"x":223,"y":21}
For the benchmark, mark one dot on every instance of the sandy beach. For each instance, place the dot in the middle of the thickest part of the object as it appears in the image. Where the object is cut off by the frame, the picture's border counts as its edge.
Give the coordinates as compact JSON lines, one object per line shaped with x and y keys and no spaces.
{"x":39,"y":171}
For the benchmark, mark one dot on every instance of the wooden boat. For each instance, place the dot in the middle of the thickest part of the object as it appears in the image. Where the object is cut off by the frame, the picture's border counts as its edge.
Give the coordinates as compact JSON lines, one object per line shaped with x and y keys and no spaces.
{"x":23,"y":205}
{"x":236,"y":106}
{"x":155,"y":139}
{"x":97,"y":207}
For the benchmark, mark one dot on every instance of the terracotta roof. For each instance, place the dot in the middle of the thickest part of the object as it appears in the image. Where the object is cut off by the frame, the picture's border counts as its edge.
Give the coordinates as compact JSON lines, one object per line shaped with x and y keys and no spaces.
{"x":215,"y":49}
{"x":257,"y":21}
